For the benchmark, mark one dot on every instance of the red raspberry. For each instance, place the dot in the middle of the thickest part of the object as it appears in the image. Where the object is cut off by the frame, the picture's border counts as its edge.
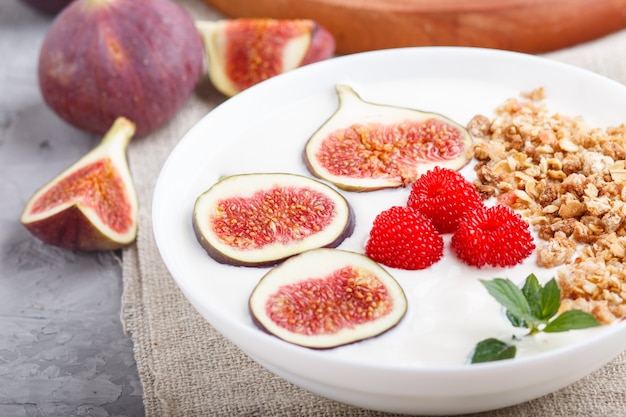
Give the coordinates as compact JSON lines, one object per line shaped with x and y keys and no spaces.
{"x":403,"y":238}
{"x":495,"y":236}
{"x":444,"y":196}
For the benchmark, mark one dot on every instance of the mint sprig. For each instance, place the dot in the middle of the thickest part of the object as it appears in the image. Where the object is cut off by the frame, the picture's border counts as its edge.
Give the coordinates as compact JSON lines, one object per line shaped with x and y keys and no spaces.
{"x":493,"y":349}
{"x":533,"y":307}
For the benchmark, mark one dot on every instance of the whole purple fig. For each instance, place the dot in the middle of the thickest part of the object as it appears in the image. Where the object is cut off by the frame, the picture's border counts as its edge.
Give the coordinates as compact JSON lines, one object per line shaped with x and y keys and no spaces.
{"x":102,"y":59}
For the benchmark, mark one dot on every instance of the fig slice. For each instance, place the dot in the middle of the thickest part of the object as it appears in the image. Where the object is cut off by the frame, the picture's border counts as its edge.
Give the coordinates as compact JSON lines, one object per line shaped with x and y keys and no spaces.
{"x":91,"y":205}
{"x":243,"y":52}
{"x":261,"y":219}
{"x":324,"y":298}
{"x":367,"y":146}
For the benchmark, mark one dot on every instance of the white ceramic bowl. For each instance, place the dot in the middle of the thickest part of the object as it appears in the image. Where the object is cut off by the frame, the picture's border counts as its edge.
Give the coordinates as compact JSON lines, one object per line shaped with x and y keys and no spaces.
{"x":419,"y":367}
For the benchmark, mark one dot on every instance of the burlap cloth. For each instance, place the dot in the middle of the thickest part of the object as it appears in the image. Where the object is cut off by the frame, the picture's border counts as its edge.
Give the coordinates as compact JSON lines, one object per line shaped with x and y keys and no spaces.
{"x":188,"y":369}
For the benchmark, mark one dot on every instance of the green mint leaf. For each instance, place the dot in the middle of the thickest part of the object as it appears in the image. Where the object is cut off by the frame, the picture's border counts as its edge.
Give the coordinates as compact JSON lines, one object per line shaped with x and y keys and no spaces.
{"x":544,"y":301}
{"x":550,"y":300}
{"x":516,"y":321}
{"x":571,"y":320}
{"x":492,"y":349}
{"x":510,"y":296}
{"x":532,"y":291}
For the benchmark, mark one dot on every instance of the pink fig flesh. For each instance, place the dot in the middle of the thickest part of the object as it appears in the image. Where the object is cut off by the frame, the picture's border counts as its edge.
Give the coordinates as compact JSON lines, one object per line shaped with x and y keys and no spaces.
{"x":366,"y":146}
{"x":261,"y":219}
{"x":92,"y":205}
{"x":324,"y":298}
{"x":245,"y":52}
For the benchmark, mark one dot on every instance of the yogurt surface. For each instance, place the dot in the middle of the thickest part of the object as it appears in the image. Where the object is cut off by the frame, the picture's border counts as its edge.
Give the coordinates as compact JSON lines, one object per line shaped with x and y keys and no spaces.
{"x":449,"y":310}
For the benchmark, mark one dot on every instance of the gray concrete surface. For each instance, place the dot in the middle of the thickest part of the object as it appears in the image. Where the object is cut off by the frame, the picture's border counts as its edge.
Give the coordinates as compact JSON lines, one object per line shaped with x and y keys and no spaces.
{"x":63,"y":351}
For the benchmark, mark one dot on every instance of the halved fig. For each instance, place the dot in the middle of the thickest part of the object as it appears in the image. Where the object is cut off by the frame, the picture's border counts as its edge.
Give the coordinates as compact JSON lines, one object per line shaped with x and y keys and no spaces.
{"x":366,"y":146}
{"x":92,"y":205}
{"x":244,"y":52}
{"x":324,"y":298}
{"x":261,"y":219}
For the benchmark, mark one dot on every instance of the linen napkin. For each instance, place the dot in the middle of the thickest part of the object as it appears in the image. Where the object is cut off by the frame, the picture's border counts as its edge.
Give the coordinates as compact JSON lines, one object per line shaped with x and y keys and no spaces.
{"x":188,"y":369}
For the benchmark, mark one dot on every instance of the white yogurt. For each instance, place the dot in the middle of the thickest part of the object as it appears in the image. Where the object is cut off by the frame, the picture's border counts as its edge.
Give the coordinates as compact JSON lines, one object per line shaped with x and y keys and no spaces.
{"x":449,"y":309}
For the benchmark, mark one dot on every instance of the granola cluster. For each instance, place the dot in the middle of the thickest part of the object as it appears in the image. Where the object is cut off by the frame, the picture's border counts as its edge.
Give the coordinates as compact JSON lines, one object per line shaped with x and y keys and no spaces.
{"x":568,"y":181}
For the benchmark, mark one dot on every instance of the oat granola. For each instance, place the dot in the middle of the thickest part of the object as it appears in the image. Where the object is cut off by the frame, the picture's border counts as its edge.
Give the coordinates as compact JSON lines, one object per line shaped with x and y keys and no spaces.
{"x":568,"y":180}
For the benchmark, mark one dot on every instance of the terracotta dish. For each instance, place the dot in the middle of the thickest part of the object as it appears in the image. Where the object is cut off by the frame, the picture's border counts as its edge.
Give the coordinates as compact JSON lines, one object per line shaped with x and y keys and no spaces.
{"x":531,"y":26}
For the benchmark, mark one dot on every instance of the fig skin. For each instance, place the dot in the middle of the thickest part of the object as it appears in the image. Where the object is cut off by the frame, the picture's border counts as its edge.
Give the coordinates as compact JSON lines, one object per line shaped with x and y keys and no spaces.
{"x":262,"y":181}
{"x":72,"y":223}
{"x":100,"y":59}
{"x":49,"y":7}
{"x":319,"y":265}
{"x":243,"y":52}
{"x":70,"y":229}
{"x":322,"y":46}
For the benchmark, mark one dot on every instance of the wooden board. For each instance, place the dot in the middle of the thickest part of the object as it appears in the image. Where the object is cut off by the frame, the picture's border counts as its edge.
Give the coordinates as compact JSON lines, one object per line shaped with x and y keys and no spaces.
{"x":531,"y":26}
